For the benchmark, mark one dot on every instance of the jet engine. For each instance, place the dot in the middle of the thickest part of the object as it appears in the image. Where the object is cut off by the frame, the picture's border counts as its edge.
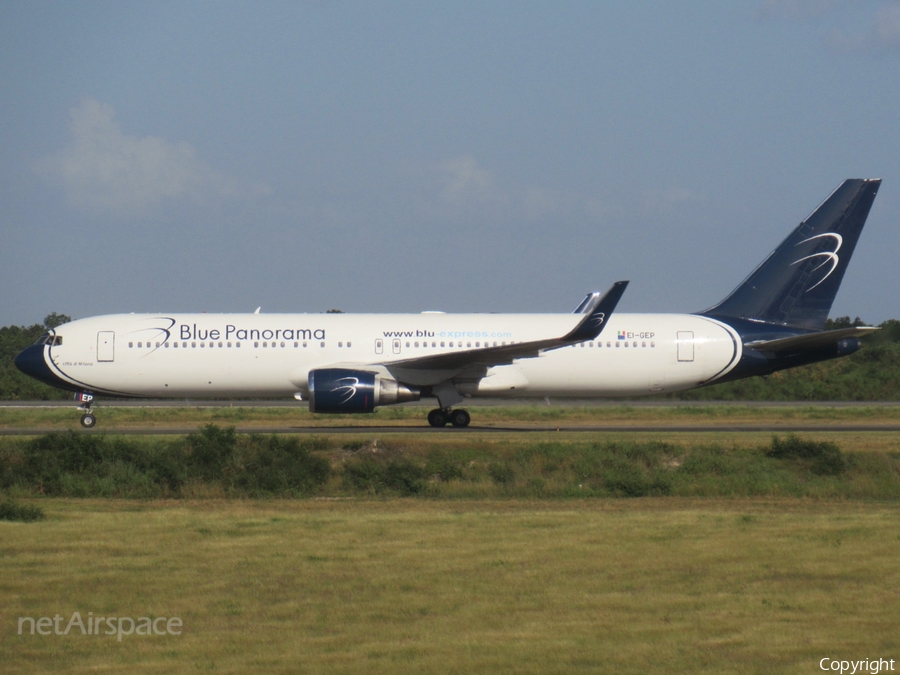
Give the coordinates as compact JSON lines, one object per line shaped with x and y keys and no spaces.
{"x":342,"y":390}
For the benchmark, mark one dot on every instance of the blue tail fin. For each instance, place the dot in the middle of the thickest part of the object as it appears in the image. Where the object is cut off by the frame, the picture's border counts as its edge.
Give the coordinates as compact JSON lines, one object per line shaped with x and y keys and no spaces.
{"x":797,"y":283}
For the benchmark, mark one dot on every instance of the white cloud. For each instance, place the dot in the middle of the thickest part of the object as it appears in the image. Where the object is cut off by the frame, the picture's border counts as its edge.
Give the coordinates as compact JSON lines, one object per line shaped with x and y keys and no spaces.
{"x":887,"y":27}
{"x":882,"y":35}
{"x":796,"y":9}
{"x":103,"y":168}
{"x":669,"y":202}
{"x":463,"y":181}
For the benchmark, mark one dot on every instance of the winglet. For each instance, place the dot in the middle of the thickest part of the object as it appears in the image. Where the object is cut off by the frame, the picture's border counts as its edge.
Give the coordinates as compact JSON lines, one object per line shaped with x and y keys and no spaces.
{"x":596,"y":313}
{"x":585,"y":305}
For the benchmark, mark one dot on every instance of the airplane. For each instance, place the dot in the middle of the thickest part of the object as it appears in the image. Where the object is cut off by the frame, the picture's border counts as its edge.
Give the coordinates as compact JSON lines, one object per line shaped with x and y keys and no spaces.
{"x":354,"y":363}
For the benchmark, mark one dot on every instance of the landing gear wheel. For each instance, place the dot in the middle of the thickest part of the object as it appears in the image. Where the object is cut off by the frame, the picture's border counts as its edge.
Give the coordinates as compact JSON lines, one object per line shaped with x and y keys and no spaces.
{"x":88,"y":420}
{"x":437,"y":418}
{"x":460,"y":418}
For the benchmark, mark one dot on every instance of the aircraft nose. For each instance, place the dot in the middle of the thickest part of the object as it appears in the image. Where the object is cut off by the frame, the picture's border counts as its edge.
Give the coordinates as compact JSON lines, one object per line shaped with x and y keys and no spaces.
{"x":31,"y":362}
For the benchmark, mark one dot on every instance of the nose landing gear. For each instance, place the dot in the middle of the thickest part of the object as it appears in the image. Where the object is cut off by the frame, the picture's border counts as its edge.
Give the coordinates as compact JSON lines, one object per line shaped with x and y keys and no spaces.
{"x":86,"y":398}
{"x":439,"y":417}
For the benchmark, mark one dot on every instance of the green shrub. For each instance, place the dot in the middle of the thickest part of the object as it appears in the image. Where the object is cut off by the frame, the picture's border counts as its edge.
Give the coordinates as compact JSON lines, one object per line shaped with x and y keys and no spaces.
{"x":277,"y":465}
{"x":501,"y":472}
{"x":20,"y":513}
{"x":824,"y":458}
{"x":444,"y":465}
{"x":397,"y":475}
{"x":209,"y":450}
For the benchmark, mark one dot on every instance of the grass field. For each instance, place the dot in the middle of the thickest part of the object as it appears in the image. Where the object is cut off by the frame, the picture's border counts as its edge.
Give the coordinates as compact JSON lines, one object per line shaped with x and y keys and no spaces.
{"x":420,"y":586}
{"x":535,"y":579}
{"x":487,"y":416}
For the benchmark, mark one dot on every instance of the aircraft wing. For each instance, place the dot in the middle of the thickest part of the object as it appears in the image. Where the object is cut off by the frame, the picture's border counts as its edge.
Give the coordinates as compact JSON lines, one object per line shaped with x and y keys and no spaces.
{"x":592,"y":320}
{"x":810,"y":340}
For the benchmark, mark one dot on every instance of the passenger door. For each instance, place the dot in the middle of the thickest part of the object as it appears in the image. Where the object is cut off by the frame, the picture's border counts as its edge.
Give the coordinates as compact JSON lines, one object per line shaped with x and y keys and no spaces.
{"x":106,"y":346}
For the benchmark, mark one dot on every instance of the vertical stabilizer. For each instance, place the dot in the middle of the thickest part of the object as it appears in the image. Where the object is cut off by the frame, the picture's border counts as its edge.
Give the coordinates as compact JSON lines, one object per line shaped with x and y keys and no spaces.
{"x":796,"y":284}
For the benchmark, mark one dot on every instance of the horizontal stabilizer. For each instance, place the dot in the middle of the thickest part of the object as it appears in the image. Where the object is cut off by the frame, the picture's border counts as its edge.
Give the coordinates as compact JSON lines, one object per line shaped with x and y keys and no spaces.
{"x":810,"y":340}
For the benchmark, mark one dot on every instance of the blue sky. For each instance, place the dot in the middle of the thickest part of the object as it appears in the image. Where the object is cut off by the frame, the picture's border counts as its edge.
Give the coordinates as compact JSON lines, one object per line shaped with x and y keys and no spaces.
{"x":408,"y":156}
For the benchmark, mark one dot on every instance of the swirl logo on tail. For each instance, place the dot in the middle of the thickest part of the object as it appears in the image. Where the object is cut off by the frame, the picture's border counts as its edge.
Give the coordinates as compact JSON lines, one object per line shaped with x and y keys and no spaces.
{"x":827,"y":256}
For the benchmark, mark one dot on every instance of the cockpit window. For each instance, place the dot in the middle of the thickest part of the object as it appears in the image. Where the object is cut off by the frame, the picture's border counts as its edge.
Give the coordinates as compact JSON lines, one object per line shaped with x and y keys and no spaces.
{"x":52,"y":340}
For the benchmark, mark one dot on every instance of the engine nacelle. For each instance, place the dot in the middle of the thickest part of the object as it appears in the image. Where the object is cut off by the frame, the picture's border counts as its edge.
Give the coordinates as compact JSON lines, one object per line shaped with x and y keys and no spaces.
{"x":342,"y":390}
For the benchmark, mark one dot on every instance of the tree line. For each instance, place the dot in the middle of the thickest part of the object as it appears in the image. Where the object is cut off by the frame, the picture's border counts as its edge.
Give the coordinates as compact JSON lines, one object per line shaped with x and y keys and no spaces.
{"x":871,"y":374}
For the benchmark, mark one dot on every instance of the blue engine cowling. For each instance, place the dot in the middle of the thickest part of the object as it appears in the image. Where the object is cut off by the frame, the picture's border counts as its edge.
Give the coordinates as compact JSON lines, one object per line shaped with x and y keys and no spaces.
{"x":342,"y":390}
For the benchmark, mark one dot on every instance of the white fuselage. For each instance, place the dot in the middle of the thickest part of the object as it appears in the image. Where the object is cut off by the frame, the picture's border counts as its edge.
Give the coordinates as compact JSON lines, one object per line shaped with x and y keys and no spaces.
{"x":270,"y":355}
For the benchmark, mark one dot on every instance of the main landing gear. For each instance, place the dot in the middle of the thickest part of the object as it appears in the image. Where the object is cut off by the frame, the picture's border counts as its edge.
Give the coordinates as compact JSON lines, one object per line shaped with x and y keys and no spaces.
{"x":439,"y":417}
